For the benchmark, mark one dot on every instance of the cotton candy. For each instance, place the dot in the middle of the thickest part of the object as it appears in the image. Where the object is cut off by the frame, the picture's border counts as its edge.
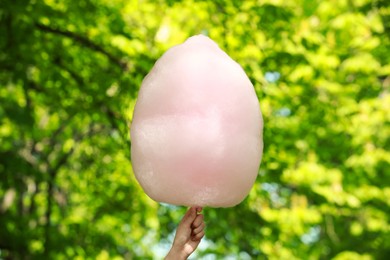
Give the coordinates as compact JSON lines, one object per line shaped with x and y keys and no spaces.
{"x":197,"y":128}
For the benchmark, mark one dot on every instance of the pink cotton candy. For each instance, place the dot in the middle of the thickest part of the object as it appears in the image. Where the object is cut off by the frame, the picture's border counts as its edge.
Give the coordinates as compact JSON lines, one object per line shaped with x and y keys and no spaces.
{"x":197,"y":128}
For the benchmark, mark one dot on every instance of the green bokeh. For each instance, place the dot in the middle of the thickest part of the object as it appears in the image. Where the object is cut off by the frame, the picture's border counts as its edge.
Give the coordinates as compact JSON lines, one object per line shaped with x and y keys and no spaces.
{"x":69,"y":77}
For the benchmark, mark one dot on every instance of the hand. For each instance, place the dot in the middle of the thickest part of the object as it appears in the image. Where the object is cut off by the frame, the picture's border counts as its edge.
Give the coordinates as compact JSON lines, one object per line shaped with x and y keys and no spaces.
{"x":188,"y":235}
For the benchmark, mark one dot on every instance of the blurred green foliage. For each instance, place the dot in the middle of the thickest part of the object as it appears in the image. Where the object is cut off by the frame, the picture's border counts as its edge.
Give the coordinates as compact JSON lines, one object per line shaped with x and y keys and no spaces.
{"x":69,"y":76}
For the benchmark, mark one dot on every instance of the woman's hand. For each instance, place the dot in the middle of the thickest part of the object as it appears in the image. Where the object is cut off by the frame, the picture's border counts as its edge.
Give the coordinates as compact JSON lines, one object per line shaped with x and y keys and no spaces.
{"x":188,"y":234}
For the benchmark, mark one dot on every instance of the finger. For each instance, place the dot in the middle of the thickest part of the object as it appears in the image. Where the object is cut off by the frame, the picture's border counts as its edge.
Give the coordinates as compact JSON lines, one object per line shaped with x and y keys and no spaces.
{"x":198,"y":210}
{"x":189,"y":217}
{"x":198,"y":229}
{"x":198,"y":236}
{"x":198,"y":220}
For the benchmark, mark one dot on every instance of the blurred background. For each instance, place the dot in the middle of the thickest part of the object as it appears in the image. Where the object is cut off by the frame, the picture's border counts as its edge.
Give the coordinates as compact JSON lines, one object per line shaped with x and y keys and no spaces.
{"x":70,"y":71}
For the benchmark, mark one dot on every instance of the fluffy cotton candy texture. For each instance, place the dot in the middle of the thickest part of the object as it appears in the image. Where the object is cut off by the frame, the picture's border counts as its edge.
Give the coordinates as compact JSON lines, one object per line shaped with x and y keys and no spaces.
{"x":197,"y":128}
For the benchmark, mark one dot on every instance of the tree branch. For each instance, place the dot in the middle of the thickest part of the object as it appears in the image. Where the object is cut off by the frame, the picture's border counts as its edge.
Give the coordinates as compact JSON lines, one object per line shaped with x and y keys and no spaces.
{"x":53,"y":170}
{"x":85,"y":42}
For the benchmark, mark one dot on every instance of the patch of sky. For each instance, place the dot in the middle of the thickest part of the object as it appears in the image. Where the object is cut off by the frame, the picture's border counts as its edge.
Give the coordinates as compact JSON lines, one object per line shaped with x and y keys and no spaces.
{"x":272,"y":76}
{"x":283,"y":112}
{"x":311,"y":236}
